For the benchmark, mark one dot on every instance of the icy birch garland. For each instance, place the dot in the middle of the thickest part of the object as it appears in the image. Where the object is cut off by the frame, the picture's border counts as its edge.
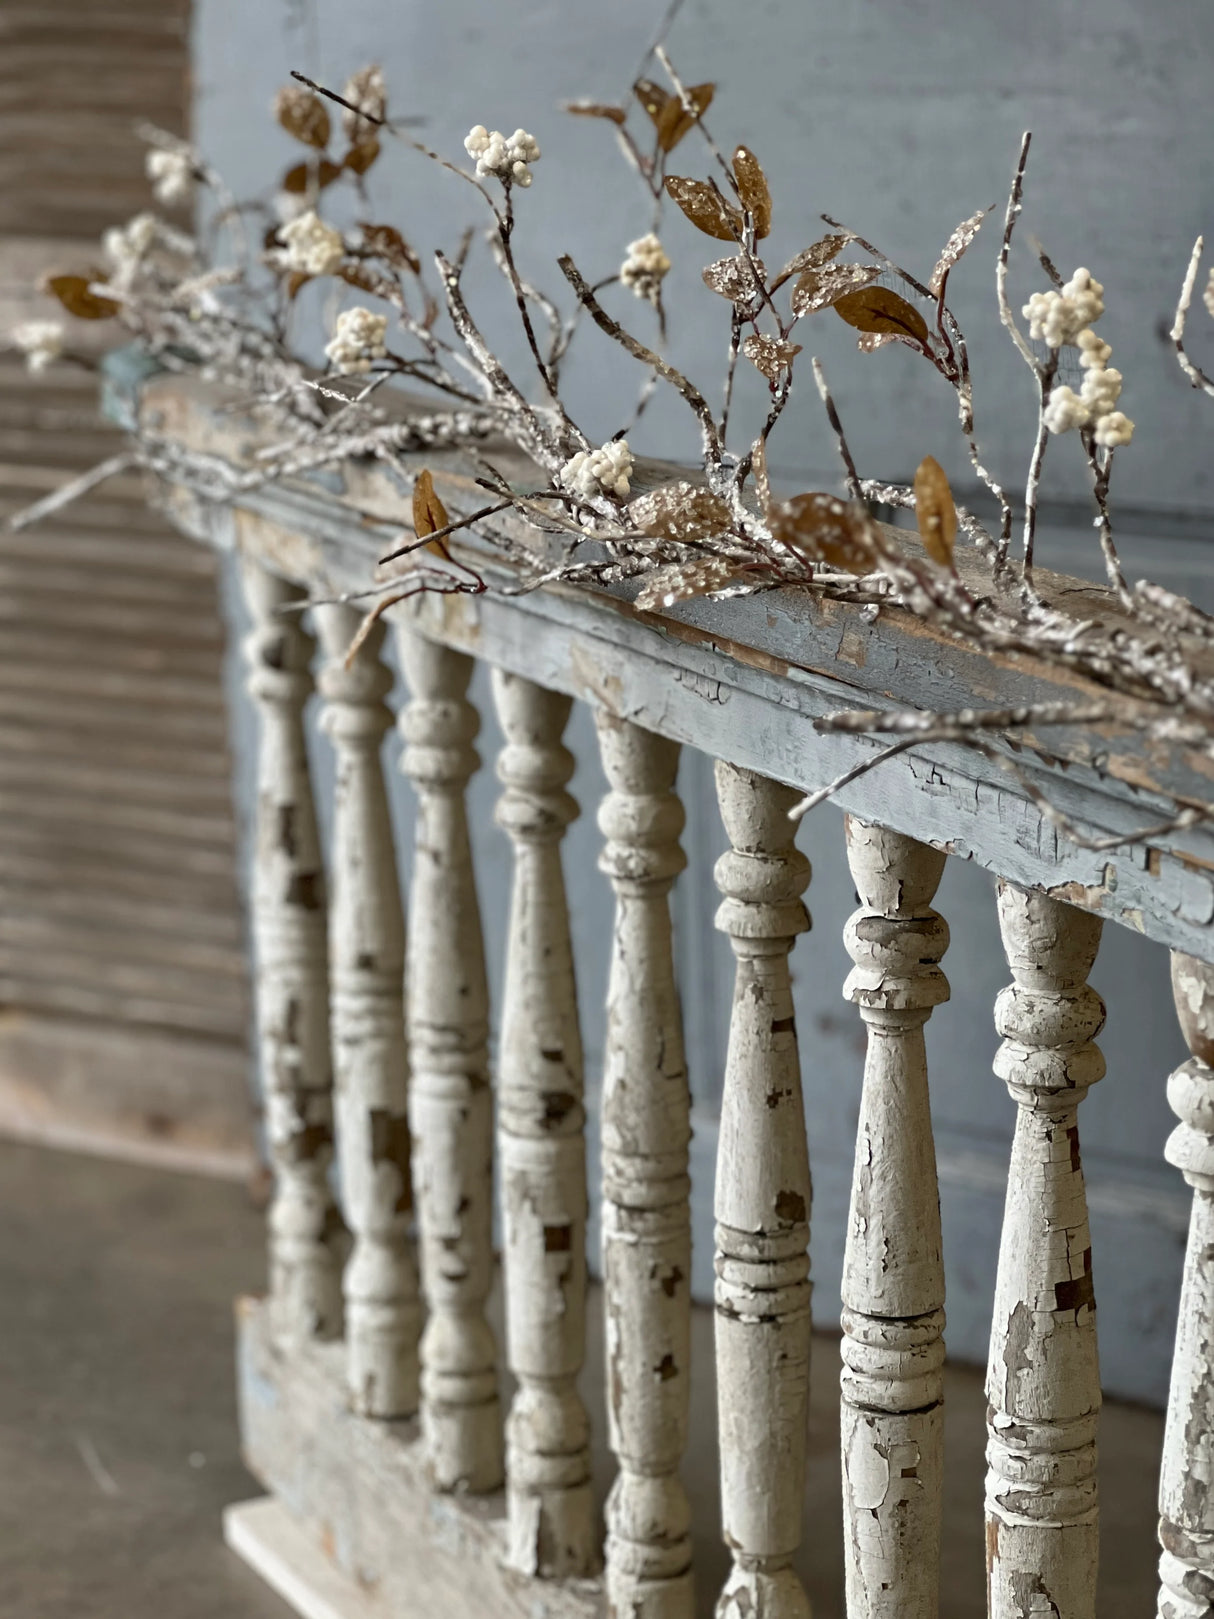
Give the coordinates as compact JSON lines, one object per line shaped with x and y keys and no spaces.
{"x":209,"y":306}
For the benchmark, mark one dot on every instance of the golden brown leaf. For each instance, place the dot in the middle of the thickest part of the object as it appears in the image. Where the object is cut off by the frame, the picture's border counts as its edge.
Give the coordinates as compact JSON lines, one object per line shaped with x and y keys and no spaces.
{"x":680,"y":512}
{"x":814,"y":256}
{"x":296,"y":280}
{"x":770,"y":355}
{"x":935,"y":512}
{"x":823,"y":528}
{"x":360,"y":158}
{"x":73,"y":293}
{"x":753,"y":188}
{"x":878,"y":309}
{"x":674,"y":121}
{"x":955,"y":247}
{"x":369,"y":280}
{"x":652,"y":97}
{"x":734,"y":278}
{"x":705,"y":207}
{"x":681,"y":580}
{"x":303,"y":115}
{"x":596,"y":109}
{"x":429,"y":513}
{"x":298,"y":179}
{"x":815,"y":289}
{"x":870,"y":342}
{"x":387,"y":243}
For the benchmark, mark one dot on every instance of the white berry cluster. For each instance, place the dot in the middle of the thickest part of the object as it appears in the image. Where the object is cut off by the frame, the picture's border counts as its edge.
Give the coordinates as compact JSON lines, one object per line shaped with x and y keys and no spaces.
{"x":507,"y":157}
{"x":1066,"y":317}
{"x":171,"y":174}
{"x":1056,"y":318}
{"x":41,"y":342}
{"x":599,"y":472}
{"x":358,"y":338}
{"x":1207,"y":296}
{"x":644,"y":267}
{"x":126,"y":246}
{"x":313,"y":248}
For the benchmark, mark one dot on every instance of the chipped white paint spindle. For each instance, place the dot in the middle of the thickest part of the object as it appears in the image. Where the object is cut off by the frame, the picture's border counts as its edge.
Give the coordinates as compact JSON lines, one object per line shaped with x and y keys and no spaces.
{"x":646,"y":1188}
{"x":762,"y":1199}
{"x":1043,"y":1377}
{"x":542,"y":1151}
{"x":292,"y":998}
{"x":370,"y":1077}
{"x":1186,"y":1483}
{"x":451,"y":1099}
{"x":893,"y":1272}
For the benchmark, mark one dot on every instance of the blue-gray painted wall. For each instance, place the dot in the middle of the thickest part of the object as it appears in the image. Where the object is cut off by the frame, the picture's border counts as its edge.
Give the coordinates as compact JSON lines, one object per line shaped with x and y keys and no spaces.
{"x":901,"y":117}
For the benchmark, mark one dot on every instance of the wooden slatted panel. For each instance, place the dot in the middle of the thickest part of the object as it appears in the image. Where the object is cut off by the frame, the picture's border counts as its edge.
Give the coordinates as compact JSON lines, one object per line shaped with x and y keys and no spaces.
{"x":75,"y":75}
{"x":123,"y":1015}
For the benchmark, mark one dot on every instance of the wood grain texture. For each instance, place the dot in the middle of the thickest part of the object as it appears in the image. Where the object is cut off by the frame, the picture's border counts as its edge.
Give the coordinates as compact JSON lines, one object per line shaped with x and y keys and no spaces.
{"x":646,"y":1189}
{"x":892,"y":1414}
{"x":1186,"y":1481}
{"x":366,"y":989}
{"x":292,"y":992}
{"x":761,"y":1206}
{"x":451,"y":1100}
{"x":1043,"y":1377}
{"x":542,"y":1151}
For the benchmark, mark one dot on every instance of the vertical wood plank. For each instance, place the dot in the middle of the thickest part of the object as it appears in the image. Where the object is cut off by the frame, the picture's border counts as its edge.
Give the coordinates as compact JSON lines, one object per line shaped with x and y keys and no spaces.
{"x":1186,"y":1482}
{"x":762,"y":1201}
{"x":646,"y":1187}
{"x":542,"y":1151}
{"x":892,"y":1429}
{"x":1043,"y":1377}
{"x":292,"y":1000}
{"x":371,"y":1087}
{"x":452,"y":1103}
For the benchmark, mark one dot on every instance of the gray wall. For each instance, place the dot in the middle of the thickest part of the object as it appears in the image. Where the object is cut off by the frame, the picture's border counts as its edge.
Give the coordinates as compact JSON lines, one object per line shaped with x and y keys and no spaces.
{"x":900,"y":118}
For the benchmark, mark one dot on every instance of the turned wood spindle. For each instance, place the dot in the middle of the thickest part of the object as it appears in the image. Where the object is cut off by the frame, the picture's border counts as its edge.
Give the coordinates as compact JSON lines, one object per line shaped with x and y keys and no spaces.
{"x":893,"y":1273}
{"x":646,"y":1188}
{"x":542,"y":1152}
{"x":370,"y":1075}
{"x":762,"y":1201}
{"x":291,"y":996}
{"x":451,"y":1100}
{"x":1043,"y":1377}
{"x":1186,"y":1482}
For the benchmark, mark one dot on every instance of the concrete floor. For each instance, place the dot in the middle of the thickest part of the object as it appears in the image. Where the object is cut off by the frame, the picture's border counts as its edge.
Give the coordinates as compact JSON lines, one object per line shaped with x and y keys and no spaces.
{"x":118,"y":1445}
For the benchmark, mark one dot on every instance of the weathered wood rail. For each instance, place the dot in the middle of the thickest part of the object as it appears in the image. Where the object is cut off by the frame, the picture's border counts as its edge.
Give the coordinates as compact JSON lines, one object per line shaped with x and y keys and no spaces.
{"x":489,"y":1509}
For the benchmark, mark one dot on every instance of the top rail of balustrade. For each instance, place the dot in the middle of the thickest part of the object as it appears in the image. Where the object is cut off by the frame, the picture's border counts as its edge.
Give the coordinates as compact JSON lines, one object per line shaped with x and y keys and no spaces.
{"x":744,"y":679}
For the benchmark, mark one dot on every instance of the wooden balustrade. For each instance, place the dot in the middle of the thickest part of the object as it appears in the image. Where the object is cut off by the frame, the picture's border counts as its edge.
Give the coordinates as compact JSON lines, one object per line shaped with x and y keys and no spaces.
{"x":646,"y":1189}
{"x":452,"y":1104}
{"x":1043,"y":1380}
{"x":292,"y":1001}
{"x":762,"y":1209}
{"x":419,"y":1515}
{"x":893,"y":1266}
{"x":1186,"y":1483}
{"x":541,"y":1150}
{"x":366,"y":987}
